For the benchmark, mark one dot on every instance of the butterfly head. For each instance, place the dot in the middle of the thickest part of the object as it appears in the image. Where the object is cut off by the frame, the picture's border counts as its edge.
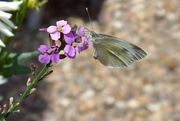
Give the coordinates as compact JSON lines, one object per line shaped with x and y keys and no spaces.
{"x":93,"y":36}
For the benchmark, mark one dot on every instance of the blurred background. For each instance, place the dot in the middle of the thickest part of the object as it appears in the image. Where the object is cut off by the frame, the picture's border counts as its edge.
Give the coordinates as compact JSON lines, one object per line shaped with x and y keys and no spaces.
{"x":83,"y":89}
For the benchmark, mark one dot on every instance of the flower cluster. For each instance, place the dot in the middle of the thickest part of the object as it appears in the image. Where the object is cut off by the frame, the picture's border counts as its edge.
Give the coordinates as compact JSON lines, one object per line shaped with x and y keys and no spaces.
{"x":70,"y":42}
{"x":5,"y":24}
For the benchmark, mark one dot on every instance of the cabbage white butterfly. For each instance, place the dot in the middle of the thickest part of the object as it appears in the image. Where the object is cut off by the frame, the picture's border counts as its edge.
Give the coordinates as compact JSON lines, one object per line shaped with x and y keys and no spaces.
{"x":113,"y":52}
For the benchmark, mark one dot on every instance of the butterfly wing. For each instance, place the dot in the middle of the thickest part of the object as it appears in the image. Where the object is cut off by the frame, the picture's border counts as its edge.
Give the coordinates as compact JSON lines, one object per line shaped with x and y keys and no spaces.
{"x":114,"y":52}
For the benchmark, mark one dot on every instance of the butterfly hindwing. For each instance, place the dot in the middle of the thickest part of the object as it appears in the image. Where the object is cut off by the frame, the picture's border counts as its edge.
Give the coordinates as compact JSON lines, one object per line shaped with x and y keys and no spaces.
{"x":107,"y":58}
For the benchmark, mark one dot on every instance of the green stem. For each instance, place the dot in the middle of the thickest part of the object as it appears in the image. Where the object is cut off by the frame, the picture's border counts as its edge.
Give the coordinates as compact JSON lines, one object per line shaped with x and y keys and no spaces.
{"x":26,"y":93}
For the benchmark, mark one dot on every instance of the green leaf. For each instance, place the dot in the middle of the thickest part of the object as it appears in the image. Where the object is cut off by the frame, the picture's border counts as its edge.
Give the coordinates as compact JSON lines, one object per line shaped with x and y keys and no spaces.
{"x":13,"y":64}
{"x":14,"y":70}
{"x":26,"y":56}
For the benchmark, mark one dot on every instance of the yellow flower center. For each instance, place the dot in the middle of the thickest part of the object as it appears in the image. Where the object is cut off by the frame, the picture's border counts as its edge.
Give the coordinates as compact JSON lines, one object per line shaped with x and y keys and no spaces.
{"x":59,"y":29}
{"x":74,"y":44}
{"x":49,"y":51}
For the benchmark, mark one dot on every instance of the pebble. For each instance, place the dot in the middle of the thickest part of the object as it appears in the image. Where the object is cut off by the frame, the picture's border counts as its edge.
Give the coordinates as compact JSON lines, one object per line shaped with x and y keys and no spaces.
{"x":65,"y":102}
{"x":110,"y":100}
{"x":87,"y":94}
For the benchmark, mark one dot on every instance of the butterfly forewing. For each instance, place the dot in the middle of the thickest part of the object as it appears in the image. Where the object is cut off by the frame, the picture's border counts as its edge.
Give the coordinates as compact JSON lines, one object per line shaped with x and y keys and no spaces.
{"x":114,"y":52}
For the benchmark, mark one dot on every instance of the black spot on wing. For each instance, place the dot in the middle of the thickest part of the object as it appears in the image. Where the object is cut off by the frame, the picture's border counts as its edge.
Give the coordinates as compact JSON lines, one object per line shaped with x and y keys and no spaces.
{"x":139,"y":52}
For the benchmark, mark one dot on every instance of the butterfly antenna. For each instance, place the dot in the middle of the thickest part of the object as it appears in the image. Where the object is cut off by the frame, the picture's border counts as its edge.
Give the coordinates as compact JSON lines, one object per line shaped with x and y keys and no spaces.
{"x":89,"y":18}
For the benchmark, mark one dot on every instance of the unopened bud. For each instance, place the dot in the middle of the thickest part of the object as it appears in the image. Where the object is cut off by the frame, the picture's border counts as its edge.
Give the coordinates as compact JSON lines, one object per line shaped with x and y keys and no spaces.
{"x":17,"y":111}
{"x":11,"y":102}
{"x":28,"y":82}
{"x":32,"y":90}
{"x":17,"y":104}
{"x":4,"y":109}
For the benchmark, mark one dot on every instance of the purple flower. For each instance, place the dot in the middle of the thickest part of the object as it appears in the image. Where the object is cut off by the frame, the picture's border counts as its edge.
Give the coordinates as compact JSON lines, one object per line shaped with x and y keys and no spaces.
{"x":48,"y":54}
{"x":69,"y":49}
{"x":55,"y":31}
{"x":80,"y":43}
{"x":83,"y":39}
{"x":71,"y":41}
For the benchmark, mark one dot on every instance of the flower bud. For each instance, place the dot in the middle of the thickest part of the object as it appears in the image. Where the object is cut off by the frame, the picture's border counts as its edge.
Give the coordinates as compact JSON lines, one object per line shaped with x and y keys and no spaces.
{"x":35,"y":4}
{"x":11,"y":102}
{"x":4,"y":109}
{"x":32,"y":90}
{"x":28,"y":82}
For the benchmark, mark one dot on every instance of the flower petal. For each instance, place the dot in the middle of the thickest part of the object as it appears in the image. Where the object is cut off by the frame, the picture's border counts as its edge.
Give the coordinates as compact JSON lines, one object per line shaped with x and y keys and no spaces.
{"x":10,"y":6}
{"x":55,"y":36}
{"x":2,"y":80}
{"x":76,"y":35}
{"x":52,"y":29}
{"x":8,"y":22}
{"x":5,"y":15}
{"x":55,"y":57}
{"x":2,"y":44}
{"x":70,"y":51}
{"x":69,"y":38}
{"x":61,"y":23}
{"x":78,"y":48}
{"x":78,"y":38}
{"x":84,"y":45}
{"x":43,"y":48}
{"x":54,"y":48}
{"x":5,"y":30}
{"x":43,"y":29}
{"x":81,"y":31}
{"x":44,"y":58}
{"x":86,"y":40}
{"x":66,"y":29}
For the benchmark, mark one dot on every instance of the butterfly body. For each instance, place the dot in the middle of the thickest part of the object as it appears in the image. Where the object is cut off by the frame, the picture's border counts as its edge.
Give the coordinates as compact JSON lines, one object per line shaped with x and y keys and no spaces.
{"x":114,"y":52}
